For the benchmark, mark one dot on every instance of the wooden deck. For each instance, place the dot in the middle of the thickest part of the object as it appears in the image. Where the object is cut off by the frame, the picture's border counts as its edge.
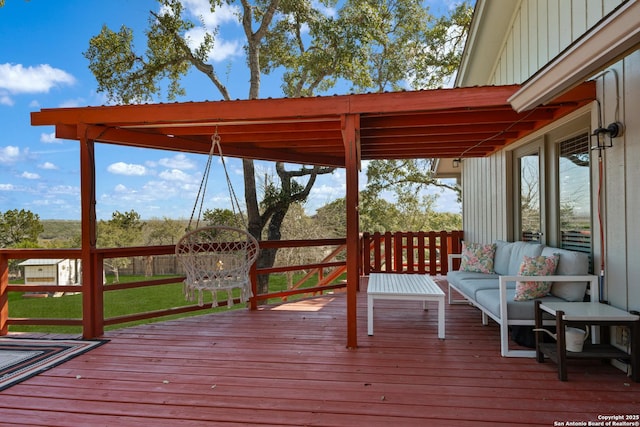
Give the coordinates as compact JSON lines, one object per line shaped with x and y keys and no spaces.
{"x":288,"y":365}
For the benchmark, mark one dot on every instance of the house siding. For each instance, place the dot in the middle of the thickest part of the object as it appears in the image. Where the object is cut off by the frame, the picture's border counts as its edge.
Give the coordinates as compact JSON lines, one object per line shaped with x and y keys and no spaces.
{"x":540,"y":30}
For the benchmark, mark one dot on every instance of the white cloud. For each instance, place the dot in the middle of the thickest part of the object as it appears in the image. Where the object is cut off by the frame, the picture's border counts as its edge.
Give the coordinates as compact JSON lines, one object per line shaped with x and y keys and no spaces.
{"x":223,"y":14}
{"x":50,"y":138}
{"x":120,"y":188}
{"x":179,"y":161}
{"x":222,"y":49}
{"x":129,"y":169}
{"x":9,"y":154}
{"x":5,"y":99}
{"x":39,"y":79}
{"x":201,"y":9}
{"x":324,"y":9}
{"x":176,"y":175}
{"x":68,"y":190}
{"x":51,"y":203}
{"x":48,"y":166}
{"x":30,"y":175}
{"x":7,"y":187}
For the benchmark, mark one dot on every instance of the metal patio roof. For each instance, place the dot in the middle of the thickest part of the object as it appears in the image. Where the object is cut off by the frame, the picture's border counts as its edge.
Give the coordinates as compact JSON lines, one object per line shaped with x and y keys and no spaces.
{"x":439,"y":123}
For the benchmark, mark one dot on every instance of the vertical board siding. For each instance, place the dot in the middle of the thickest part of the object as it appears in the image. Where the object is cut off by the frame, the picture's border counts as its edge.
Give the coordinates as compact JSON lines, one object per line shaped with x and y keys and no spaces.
{"x":630,"y":108}
{"x":578,"y":17}
{"x":542,"y":14}
{"x":553,"y":28}
{"x":614,"y":195}
{"x":485,"y":199}
{"x":541,"y":30}
{"x":533,"y":34}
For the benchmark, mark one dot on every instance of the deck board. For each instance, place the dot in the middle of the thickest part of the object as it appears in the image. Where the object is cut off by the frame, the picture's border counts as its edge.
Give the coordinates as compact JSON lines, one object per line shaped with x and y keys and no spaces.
{"x":288,"y":365}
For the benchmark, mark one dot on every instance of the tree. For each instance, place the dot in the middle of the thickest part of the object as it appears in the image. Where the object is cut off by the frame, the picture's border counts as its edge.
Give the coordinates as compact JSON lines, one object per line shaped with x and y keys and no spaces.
{"x":219,"y":216}
{"x":405,"y":179}
{"x":19,"y":228}
{"x":164,"y":232}
{"x":429,"y":60}
{"x":314,"y":48}
{"x":298,"y":226}
{"x":121,"y":231}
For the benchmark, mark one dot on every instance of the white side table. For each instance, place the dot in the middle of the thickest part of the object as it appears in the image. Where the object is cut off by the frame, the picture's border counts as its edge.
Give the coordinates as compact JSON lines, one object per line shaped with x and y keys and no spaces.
{"x":587,"y":313}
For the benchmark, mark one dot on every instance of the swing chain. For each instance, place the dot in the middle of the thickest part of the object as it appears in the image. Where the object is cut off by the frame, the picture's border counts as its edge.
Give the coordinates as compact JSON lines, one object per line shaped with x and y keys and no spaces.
{"x":215,"y":146}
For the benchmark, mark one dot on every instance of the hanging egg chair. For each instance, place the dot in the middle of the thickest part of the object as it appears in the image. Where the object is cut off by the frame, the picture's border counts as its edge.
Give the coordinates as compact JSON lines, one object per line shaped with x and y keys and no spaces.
{"x":217,"y":258}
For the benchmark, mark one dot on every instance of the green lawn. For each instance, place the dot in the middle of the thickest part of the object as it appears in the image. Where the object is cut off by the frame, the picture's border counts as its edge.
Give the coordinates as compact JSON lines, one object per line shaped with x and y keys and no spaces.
{"x":116,"y":303}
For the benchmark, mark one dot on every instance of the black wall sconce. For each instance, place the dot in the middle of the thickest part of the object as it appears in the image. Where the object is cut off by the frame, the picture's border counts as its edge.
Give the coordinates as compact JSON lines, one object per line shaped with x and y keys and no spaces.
{"x":456,"y":162}
{"x":600,"y":135}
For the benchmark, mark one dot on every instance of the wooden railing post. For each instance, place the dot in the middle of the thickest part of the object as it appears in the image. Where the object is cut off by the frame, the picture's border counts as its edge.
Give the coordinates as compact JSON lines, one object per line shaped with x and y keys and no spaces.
{"x":253,"y":276}
{"x":4,"y":294}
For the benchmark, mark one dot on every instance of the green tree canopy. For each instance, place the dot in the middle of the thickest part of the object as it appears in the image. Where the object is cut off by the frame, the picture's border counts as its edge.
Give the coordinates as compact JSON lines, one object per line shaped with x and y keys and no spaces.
{"x":121,"y":231}
{"x":124,"y":229}
{"x":19,"y":228}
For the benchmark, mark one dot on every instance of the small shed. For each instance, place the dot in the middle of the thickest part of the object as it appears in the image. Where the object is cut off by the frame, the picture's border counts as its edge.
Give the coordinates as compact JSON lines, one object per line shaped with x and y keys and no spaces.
{"x":51,"y":271}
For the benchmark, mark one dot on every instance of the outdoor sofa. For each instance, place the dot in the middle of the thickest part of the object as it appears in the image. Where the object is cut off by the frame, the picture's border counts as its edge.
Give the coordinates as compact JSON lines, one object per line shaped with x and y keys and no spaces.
{"x":490,"y":277}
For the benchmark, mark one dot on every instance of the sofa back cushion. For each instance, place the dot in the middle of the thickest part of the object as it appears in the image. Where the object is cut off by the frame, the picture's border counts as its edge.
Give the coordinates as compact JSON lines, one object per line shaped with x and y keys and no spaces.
{"x":570,"y":263}
{"x":502,"y":257}
{"x":518,"y":251}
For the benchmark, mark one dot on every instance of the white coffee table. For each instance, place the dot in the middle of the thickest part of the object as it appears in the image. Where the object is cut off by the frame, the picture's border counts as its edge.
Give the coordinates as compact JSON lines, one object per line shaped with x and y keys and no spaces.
{"x":411,"y":287}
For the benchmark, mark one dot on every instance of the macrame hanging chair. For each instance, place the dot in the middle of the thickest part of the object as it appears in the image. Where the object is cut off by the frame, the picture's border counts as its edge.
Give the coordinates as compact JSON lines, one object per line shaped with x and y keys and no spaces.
{"x":216,"y":258}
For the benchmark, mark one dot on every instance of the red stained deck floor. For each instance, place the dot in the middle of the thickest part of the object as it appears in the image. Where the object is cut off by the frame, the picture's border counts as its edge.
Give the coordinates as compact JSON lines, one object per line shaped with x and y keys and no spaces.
{"x":288,"y":365}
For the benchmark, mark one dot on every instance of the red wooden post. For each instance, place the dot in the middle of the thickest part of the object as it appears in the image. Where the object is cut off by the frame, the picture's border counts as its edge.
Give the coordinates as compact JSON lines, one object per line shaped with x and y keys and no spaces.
{"x":351,"y":139}
{"x":421,"y":253}
{"x":4,"y":294}
{"x":91,"y":285}
{"x":377,"y":252}
{"x":411,"y":268}
{"x":253,"y":275}
{"x":388,"y":252}
{"x":365,"y":247}
{"x":98,"y":294}
{"x":397,"y":252}
{"x":433,"y":253}
{"x":444,"y":252}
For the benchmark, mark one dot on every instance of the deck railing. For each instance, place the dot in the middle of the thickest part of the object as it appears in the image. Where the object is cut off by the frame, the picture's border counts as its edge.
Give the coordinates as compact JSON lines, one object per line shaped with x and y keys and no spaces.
{"x":323,"y":274}
{"x":398,"y":252}
{"x":409,"y":252}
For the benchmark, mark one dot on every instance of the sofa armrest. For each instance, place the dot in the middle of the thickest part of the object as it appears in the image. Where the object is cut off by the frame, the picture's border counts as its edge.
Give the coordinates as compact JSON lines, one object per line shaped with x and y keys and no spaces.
{"x":592,"y":279}
{"x":450,"y":259}
{"x":502,"y":281}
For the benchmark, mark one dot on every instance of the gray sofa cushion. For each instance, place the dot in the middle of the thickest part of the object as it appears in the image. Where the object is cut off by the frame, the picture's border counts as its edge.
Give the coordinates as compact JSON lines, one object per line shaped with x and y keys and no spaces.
{"x":516,"y":310}
{"x":502,"y":257}
{"x":468,"y":282}
{"x":518,"y":251}
{"x":456,"y":277}
{"x":470,"y":287}
{"x":570,"y":263}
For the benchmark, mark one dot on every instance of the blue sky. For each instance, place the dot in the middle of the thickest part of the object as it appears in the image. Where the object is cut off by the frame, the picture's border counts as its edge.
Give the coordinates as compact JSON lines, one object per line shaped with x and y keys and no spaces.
{"x":42,"y":66}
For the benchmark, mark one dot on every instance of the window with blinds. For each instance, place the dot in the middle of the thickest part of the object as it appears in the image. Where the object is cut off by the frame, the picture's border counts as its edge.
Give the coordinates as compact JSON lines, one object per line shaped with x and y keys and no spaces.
{"x":575,"y":194}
